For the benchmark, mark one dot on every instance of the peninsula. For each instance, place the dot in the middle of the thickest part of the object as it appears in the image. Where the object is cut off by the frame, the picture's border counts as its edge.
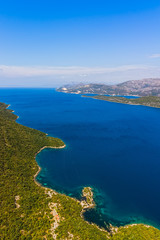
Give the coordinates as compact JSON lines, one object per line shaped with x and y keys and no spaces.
{"x":150,"y":101}
{"x":30,"y":211}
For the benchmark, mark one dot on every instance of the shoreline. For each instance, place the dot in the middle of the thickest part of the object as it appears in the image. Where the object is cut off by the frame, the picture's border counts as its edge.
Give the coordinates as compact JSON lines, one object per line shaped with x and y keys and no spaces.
{"x":8,"y":106}
{"x":132,"y":104}
{"x":12,"y":110}
{"x":83,"y":95}
{"x":80,"y":201}
{"x":85,"y":207}
{"x":39,"y":168}
{"x":112,"y":229}
{"x":63,"y":146}
{"x":50,"y":192}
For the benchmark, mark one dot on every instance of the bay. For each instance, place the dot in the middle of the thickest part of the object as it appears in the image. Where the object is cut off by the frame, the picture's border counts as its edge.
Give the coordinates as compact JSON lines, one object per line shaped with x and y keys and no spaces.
{"x":114,"y":148}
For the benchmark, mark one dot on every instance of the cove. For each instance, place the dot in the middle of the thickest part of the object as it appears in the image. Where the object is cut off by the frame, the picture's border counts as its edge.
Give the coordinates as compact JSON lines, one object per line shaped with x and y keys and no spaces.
{"x":114,"y":148}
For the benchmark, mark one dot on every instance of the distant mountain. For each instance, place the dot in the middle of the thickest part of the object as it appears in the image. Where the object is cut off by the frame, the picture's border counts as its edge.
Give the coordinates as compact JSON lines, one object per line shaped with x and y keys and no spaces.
{"x":144,"y":87}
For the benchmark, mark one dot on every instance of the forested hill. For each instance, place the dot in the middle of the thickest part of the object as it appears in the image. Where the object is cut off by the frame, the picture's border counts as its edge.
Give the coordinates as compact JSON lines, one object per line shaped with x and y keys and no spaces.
{"x":145,"y":87}
{"x":29,"y":211}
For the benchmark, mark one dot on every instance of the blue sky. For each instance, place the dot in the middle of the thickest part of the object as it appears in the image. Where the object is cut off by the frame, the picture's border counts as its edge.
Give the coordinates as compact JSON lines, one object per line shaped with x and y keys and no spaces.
{"x":49,"y":43}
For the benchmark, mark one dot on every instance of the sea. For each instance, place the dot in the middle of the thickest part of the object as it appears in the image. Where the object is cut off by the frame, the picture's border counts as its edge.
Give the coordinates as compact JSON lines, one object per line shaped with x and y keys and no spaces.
{"x":113,"y":148}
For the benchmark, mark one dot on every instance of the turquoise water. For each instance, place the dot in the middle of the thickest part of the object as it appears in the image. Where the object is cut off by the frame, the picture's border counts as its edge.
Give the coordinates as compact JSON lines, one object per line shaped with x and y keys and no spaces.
{"x":114,"y":148}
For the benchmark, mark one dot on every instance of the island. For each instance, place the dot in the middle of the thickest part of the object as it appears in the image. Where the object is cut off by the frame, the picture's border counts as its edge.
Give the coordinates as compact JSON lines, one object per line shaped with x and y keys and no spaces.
{"x":31,"y":211}
{"x":150,"y":101}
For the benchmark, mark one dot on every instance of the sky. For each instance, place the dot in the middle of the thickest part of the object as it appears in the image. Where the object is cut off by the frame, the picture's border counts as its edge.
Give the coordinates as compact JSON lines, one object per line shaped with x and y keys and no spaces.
{"x":55,"y":42}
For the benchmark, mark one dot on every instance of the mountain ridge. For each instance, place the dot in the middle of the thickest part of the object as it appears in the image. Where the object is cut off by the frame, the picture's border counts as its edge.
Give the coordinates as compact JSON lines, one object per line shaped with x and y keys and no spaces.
{"x":144,"y":87}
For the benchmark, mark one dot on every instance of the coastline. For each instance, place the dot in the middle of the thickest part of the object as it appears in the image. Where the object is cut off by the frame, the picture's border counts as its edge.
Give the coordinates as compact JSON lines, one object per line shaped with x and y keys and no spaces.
{"x":44,"y":187}
{"x":132,"y":104}
{"x":52,"y":203}
{"x":85,"y":205}
{"x":63,"y":146}
{"x":39,"y":168}
{"x":8,"y":106}
{"x":80,"y":201}
{"x":12,"y":110}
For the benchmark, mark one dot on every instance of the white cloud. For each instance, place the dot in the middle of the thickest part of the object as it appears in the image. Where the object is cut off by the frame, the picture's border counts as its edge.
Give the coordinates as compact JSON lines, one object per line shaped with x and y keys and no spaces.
{"x":36,"y":76}
{"x":24,"y":71}
{"x":156,"y":55}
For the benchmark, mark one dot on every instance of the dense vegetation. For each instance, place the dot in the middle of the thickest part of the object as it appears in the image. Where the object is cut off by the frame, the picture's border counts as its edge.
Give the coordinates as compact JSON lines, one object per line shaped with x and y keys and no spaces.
{"x":150,"y":101}
{"x":29,"y":211}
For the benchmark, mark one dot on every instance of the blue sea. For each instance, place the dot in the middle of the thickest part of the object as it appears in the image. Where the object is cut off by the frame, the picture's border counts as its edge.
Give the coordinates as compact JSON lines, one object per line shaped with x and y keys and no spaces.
{"x":114,"y":148}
